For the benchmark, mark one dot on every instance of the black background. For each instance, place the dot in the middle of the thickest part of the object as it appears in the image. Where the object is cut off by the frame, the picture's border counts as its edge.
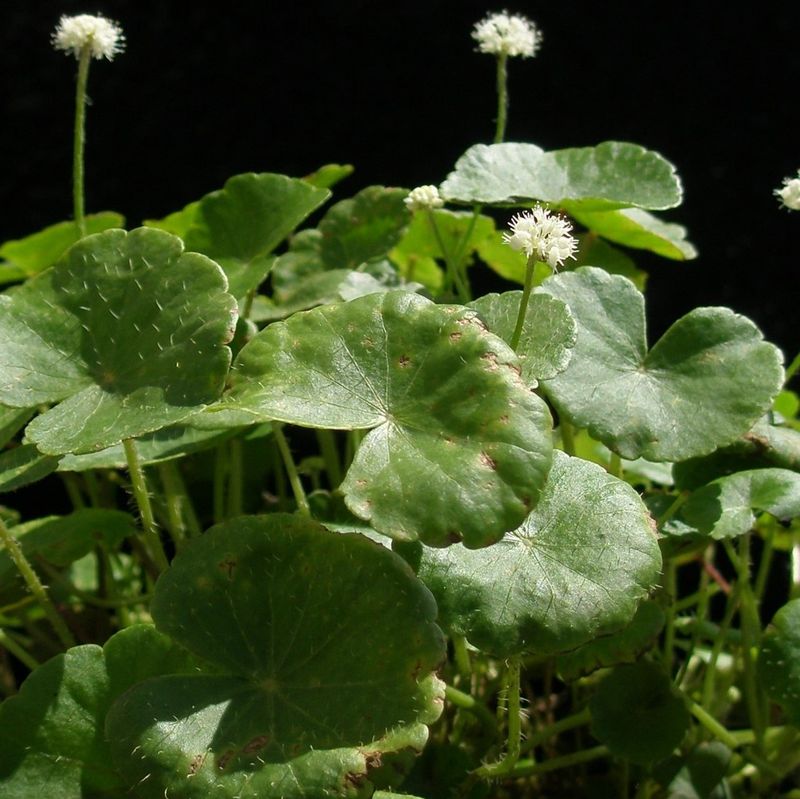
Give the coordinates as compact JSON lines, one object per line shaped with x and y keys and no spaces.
{"x":397,"y":89}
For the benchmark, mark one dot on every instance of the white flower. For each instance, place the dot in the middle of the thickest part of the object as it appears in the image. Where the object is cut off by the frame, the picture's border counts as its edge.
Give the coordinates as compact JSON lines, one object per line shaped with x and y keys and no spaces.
{"x":539,"y":233}
{"x":790,"y":193}
{"x":103,"y":36}
{"x":507,"y":34}
{"x":423,"y":198}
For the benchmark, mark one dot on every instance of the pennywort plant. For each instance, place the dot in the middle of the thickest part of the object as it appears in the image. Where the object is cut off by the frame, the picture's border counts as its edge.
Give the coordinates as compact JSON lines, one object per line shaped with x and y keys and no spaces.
{"x":341,"y":529}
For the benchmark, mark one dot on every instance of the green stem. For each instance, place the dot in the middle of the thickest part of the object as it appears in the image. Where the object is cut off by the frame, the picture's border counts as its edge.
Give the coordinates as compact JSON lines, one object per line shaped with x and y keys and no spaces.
{"x":472,"y":705}
{"x":461,"y":657}
{"x":174,"y":504}
{"x":502,"y":98}
{"x":615,"y":465}
{"x":70,"y":480}
{"x":791,"y":370}
{"x":707,"y":694}
{"x":505,"y":766}
{"x":579,"y":719}
{"x":35,"y":586}
{"x":7,"y":642}
{"x":454,"y":277}
{"x":711,"y":724}
{"x":174,"y":487}
{"x":567,"y":436}
{"x":527,"y":768}
{"x":235,"y":479}
{"x":764,"y":566}
{"x":139,"y":485}
{"x":79,"y":139}
{"x":523,"y":303}
{"x":671,"y":586}
{"x":291,"y":470}
{"x":672,"y":509}
{"x":330,"y":455}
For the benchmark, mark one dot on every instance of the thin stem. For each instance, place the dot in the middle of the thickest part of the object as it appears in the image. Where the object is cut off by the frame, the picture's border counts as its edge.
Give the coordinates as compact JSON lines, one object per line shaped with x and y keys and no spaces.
{"x":175,"y":488}
{"x":461,"y":657}
{"x":35,"y":586}
{"x":330,"y":455}
{"x":763,"y":567}
{"x":615,"y":465}
{"x":139,"y":485}
{"x":579,"y":719}
{"x":791,"y":370}
{"x":19,"y":652}
{"x":70,"y":480}
{"x":454,"y":277}
{"x":472,"y":705}
{"x":523,"y":303}
{"x":709,"y":677}
{"x":291,"y":470}
{"x":502,"y":98}
{"x":79,"y":140}
{"x":567,"y":436}
{"x":505,"y":766}
{"x":672,"y":509}
{"x":527,"y":768}
{"x":235,"y":479}
{"x":671,"y":586}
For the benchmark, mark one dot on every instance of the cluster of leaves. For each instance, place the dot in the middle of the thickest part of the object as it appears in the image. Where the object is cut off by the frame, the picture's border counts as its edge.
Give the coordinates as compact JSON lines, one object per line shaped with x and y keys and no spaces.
{"x":454,"y":548}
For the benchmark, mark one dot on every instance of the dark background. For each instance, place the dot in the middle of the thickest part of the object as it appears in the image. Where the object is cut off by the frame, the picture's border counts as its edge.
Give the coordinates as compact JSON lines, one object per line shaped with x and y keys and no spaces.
{"x":397,"y":89}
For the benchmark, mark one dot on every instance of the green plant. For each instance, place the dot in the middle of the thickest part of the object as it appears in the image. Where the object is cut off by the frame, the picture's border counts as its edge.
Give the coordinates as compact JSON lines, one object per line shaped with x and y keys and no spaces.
{"x":523,"y":553}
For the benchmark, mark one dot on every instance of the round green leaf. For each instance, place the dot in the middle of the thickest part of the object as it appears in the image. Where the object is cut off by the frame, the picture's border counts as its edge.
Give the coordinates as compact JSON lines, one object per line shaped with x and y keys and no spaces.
{"x":724,"y":508}
{"x":702,"y":385}
{"x":127,"y":332}
{"x":460,"y":446}
{"x":51,"y":733}
{"x":779,"y":660}
{"x":610,"y":175}
{"x":576,"y":568}
{"x":637,"y":715}
{"x":306,"y":691}
{"x":548,"y":332}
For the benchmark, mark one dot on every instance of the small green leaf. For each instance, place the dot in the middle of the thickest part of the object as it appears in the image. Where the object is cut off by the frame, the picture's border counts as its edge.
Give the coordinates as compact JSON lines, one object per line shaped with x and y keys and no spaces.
{"x":698,"y":775}
{"x":33,"y":254}
{"x":51,"y":733}
{"x":20,"y":466}
{"x":127,"y":332}
{"x":779,"y":660}
{"x":460,"y":447}
{"x":637,"y":715}
{"x":703,"y":384}
{"x":12,"y":420}
{"x":178,"y":222}
{"x":305,"y":691}
{"x":624,"y":646}
{"x":61,"y":540}
{"x":548,"y":333}
{"x":327,"y":176}
{"x":633,"y":227}
{"x":576,"y":568}
{"x":724,"y":508}
{"x":610,"y":175}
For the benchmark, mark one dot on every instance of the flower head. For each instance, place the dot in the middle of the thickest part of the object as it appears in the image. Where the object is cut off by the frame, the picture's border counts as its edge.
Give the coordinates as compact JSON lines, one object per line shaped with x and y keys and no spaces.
{"x":789,"y":194}
{"x":507,"y":34}
{"x":423,"y":198}
{"x":103,"y":36}
{"x":539,"y":233}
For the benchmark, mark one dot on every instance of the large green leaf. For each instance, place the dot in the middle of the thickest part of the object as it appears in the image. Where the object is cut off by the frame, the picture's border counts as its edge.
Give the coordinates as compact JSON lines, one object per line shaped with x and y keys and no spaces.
{"x":460,"y":447}
{"x":548,"y":332}
{"x":637,"y":714}
{"x":305,"y":691}
{"x":31,"y":255}
{"x":242,"y":223}
{"x":610,"y":175}
{"x":353,"y":232}
{"x":576,"y":568}
{"x":724,"y":508}
{"x":633,"y":227}
{"x":779,"y":660}
{"x":51,"y":733}
{"x":703,"y":384}
{"x":127,"y":332}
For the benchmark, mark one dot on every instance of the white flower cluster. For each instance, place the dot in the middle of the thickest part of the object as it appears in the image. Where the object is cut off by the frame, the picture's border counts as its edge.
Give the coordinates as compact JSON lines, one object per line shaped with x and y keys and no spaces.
{"x":541,"y":234}
{"x":507,"y":34}
{"x":789,"y":194}
{"x":423,"y":198}
{"x":103,"y":36}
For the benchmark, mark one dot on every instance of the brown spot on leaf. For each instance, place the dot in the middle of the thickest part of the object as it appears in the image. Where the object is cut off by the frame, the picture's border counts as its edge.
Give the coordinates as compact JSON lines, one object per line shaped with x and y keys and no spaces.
{"x":373,"y":759}
{"x":455,"y":336}
{"x":354,"y":780}
{"x":196,"y":764}
{"x":367,"y":343}
{"x":228,"y":565}
{"x":256,"y":744}
{"x":403,"y":361}
{"x":504,"y":419}
{"x":488,"y":460}
{"x":454,"y":537}
{"x":361,"y":483}
{"x":224,"y":759}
